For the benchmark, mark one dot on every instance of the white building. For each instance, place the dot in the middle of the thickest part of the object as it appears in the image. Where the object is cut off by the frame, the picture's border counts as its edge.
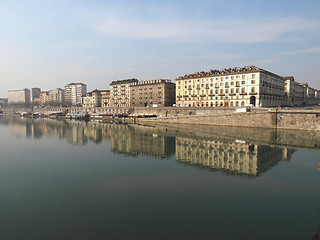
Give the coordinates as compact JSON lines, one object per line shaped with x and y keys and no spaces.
{"x":19,"y":97}
{"x":74,"y":93}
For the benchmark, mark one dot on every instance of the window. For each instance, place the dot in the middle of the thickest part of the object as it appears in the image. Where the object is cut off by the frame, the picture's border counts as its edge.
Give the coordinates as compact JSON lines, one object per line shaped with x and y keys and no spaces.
{"x":253,"y":89}
{"x":253,"y":81}
{"x":243,"y":82}
{"x":232,"y":83}
{"x":221,"y":84}
{"x":237,"y":90}
{"x":243,"y":90}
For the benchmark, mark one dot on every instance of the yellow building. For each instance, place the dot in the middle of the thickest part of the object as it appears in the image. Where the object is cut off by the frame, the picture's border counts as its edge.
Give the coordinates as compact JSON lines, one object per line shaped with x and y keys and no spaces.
{"x":92,"y":99}
{"x":120,"y":93}
{"x":105,"y":98}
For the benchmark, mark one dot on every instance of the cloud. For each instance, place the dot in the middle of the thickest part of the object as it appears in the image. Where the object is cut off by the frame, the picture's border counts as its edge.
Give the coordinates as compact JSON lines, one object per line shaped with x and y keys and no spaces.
{"x":152,"y":25}
{"x":302,"y":51}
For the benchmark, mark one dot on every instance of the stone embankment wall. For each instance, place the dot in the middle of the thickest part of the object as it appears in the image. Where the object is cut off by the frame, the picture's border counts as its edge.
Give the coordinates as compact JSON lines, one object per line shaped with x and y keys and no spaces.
{"x":303,"y":120}
{"x":221,"y":116}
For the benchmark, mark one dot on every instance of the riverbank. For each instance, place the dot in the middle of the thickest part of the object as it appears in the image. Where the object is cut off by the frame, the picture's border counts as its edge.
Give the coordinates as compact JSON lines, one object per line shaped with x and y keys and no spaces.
{"x":270,"y":118}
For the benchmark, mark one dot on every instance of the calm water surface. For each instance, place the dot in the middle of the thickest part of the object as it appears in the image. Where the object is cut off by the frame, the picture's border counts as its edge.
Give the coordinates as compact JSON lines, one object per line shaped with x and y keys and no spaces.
{"x":62,"y":180}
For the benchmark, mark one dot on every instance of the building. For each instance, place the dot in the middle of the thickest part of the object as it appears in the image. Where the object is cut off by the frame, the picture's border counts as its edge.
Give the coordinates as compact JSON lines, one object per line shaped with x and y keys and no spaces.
{"x":35,"y":95}
{"x":92,"y":99}
{"x":19,"y":97}
{"x":120,"y":92}
{"x":44,"y":98}
{"x":105,"y":98}
{"x":295,"y":92}
{"x":231,"y":87}
{"x":3,"y":102}
{"x":74,"y":93}
{"x":160,"y":92}
{"x":310,"y":95}
{"x":56,"y":97}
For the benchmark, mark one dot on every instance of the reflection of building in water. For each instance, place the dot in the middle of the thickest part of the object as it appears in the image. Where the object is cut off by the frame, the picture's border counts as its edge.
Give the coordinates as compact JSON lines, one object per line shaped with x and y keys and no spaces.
{"x":140,"y":141}
{"x":239,"y":158}
{"x":75,"y":135}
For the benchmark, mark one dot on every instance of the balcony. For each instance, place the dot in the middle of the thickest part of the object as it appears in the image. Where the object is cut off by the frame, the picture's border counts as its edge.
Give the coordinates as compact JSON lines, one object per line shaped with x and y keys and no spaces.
{"x":253,"y":93}
{"x":244,"y":93}
{"x":221,"y":94}
{"x":232,"y":94}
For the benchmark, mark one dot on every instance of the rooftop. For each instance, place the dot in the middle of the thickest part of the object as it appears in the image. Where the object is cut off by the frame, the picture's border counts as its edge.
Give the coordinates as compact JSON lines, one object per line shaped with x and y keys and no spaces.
{"x":226,"y":71}
{"x":126,"y":81}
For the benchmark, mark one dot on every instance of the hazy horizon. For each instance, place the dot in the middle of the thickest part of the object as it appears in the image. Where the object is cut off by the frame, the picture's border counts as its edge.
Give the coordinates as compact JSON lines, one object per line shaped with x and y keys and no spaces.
{"x":53,"y":43}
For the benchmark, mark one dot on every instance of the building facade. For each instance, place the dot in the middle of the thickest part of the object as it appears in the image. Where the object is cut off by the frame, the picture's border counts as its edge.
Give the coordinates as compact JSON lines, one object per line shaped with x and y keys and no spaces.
{"x":92,"y":99}
{"x":56,"y":97}
{"x":231,"y":87}
{"x":74,"y":93}
{"x":120,"y":92}
{"x":3,"y":102}
{"x":19,"y":97}
{"x":160,"y":92}
{"x":310,"y":95}
{"x":105,"y":98}
{"x":295,"y":92}
{"x":44,"y":98}
{"x":34,"y":95}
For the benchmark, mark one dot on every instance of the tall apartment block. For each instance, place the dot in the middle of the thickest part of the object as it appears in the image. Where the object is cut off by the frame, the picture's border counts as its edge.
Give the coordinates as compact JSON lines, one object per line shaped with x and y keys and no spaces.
{"x":160,"y":92}
{"x":73,"y":93}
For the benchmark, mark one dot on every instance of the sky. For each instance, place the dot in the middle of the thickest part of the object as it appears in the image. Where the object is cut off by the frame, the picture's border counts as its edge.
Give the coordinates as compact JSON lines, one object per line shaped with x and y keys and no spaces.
{"x":49,"y":44}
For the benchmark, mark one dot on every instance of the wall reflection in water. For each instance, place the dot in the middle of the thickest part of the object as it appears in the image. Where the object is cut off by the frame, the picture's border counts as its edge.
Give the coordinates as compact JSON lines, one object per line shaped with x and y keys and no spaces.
{"x":214,"y":152}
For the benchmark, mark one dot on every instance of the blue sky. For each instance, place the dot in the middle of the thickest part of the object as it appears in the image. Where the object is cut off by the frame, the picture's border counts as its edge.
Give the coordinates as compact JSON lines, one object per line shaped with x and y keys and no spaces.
{"x":49,"y":44}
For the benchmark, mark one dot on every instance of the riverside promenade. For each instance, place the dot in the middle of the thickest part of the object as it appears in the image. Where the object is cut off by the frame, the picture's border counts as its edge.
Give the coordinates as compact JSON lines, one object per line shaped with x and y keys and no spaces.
{"x":273,"y":118}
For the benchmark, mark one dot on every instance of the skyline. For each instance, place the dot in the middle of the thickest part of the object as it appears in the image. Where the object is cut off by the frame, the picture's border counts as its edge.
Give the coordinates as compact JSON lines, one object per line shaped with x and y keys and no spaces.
{"x":53,"y":43}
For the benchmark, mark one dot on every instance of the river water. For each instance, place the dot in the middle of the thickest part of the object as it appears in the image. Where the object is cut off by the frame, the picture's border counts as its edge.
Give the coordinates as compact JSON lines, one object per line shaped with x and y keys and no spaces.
{"x":77,"y":180}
